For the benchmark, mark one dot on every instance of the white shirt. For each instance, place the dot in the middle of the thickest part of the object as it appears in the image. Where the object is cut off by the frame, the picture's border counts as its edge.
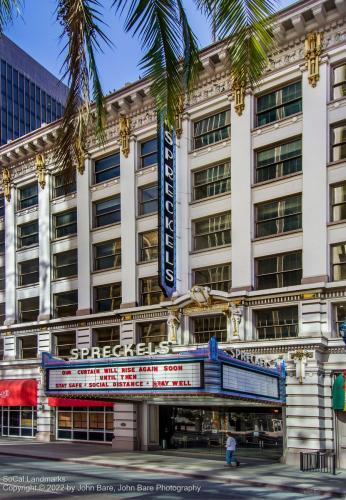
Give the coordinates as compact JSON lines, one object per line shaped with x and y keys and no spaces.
{"x":231,"y":444}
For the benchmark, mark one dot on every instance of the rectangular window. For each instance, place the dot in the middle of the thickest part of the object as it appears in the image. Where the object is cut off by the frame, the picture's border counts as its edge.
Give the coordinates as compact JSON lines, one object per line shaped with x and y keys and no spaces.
{"x":28,"y":309}
{"x":280,"y":216}
{"x":205,"y":327}
{"x":65,"y":264}
{"x":339,"y":81}
{"x":338,"y":199}
{"x":107,"y":336}
{"x":65,"y":304}
{"x":338,"y":142}
{"x":2,"y":206}
{"x":107,"y":297}
{"x":2,"y":278}
{"x":63,"y":185}
{"x":340,"y":310}
{"x":28,"y":234}
{"x":2,"y":241}
{"x":28,"y":196}
{"x":212,"y":231}
{"x":2,"y":313}
{"x":150,"y":291}
{"x":63,"y":343}
{"x":107,"y":212}
{"x":279,"y":104}
{"x":65,"y":223}
{"x":277,"y":271}
{"x":107,"y":168}
{"x":148,"y":244}
{"x":214,"y":128}
{"x":107,"y":255}
{"x":27,"y":347}
{"x":28,"y":272}
{"x":278,"y":161}
{"x":212,"y":181}
{"x":148,"y":200}
{"x":148,"y":153}
{"x":1,"y":349}
{"x":278,"y":323}
{"x":154,"y":332}
{"x":215,"y":277}
{"x":339,"y":262}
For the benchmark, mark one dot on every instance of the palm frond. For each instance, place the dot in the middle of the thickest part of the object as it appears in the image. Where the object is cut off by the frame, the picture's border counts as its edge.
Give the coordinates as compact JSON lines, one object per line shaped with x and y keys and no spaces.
{"x":8,"y":10}
{"x":247,"y":27}
{"x":171,"y":58}
{"x":80,"y":21}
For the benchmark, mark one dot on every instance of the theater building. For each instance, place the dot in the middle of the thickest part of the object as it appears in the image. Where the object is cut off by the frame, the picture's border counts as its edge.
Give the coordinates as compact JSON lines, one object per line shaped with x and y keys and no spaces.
{"x":258,"y":256}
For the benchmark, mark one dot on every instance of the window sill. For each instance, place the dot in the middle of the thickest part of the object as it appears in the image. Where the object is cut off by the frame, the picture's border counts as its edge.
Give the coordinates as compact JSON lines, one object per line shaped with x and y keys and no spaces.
{"x":145,"y":170}
{"x":266,"y":127}
{"x":29,"y":247}
{"x":146,"y":215}
{"x":21,"y":287}
{"x":112,"y":180}
{"x":23,"y":211}
{"x":337,"y":100}
{"x":64,"y":196}
{"x":63,"y":238}
{"x":196,"y":252}
{"x":107,"y":269}
{"x":277,"y":179}
{"x":336,"y":163}
{"x":206,"y":149}
{"x":143,"y":262}
{"x":271,"y":236}
{"x":57,"y":280}
{"x":214,"y":197}
{"x":336,"y":223}
{"x":113,"y":224}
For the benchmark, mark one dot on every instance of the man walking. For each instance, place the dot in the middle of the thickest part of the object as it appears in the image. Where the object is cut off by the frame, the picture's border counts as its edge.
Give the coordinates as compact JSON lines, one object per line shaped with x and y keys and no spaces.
{"x":231,"y":445}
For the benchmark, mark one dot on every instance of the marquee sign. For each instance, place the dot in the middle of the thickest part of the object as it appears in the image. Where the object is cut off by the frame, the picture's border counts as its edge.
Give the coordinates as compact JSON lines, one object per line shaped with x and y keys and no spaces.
{"x":241,"y":380}
{"x":115,"y":378}
{"x":167,"y":208}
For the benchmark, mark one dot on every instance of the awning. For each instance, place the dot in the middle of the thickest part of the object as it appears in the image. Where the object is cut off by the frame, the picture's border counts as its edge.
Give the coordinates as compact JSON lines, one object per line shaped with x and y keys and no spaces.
{"x":77,"y":402}
{"x":18,"y":392}
{"x":339,"y":392}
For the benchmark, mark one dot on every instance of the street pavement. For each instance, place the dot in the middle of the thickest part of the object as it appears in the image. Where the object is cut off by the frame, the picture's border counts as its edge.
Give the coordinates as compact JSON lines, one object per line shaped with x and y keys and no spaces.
{"x":254,"y":473}
{"x":44,"y":480}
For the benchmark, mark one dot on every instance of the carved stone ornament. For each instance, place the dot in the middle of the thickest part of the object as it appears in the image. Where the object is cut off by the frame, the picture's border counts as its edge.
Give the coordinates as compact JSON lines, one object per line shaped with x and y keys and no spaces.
{"x":300,"y":358}
{"x":238,"y":91}
{"x":124,"y":132}
{"x":173,"y":322}
{"x":6,"y":183}
{"x":200,"y":295}
{"x":179,"y":118}
{"x":41,"y":170}
{"x":312,"y":52}
{"x":80,"y":156}
{"x":236,"y":315}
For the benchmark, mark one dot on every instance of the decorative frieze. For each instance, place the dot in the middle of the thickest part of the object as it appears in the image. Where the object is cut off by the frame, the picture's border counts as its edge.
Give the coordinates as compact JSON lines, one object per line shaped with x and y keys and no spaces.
{"x":312,"y":53}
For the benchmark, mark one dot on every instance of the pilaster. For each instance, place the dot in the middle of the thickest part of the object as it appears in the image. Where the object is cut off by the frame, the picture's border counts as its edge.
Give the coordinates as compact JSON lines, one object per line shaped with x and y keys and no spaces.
{"x":10,"y":258}
{"x":125,"y":427}
{"x":315,"y":200}
{"x":45,"y":415}
{"x":44,"y":250}
{"x":128,"y":225}
{"x":241,"y":202}
{"x":83,"y":239}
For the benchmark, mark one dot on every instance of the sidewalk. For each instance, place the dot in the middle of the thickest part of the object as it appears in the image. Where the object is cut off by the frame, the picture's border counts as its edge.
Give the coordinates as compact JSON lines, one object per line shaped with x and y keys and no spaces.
{"x":252,"y":471}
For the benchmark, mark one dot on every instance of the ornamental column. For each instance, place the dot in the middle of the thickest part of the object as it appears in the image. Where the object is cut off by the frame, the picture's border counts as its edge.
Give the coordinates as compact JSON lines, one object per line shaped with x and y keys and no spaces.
{"x":241,"y":200}
{"x":44,"y":244}
{"x":315,"y":182}
{"x":83,"y":238}
{"x":10,"y":255}
{"x":128,"y":223}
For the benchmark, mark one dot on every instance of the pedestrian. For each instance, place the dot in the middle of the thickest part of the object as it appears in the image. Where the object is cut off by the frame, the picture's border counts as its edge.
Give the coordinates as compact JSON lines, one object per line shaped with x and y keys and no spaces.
{"x":231,"y":445}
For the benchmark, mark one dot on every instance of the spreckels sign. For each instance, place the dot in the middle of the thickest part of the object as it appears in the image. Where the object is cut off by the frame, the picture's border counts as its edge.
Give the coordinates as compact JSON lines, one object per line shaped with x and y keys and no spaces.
{"x":118,"y":351}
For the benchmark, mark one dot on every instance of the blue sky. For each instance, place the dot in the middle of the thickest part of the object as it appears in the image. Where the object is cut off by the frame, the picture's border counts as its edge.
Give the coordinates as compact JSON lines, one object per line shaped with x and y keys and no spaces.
{"x":37,"y":32}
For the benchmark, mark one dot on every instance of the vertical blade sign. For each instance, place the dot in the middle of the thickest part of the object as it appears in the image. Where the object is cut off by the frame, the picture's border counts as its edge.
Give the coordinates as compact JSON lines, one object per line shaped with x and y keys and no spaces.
{"x":167,"y":208}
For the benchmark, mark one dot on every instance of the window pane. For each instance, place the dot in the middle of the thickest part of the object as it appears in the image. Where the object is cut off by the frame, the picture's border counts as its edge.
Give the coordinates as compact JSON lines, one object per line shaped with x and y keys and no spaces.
{"x":339,"y":84}
{"x":28,"y":196}
{"x":107,"y":211}
{"x":29,"y":309}
{"x":339,"y":202}
{"x":28,"y":234}
{"x":107,"y":168}
{"x":150,"y":291}
{"x":212,"y":232}
{"x":148,"y":246}
{"x":216,"y":277}
{"x":63,"y":185}
{"x":279,"y":161}
{"x":338,"y":137}
{"x":339,"y":262}
{"x":148,"y":200}
{"x":148,"y":153}
{"x":212,"y":129}
{"x":108,"y":297}
{"x":28,"y":272}
{"x":66,"y":264}
{"x":212,"y":181}
{"x":279,"y":270}
{"x":63,"y":343}
{"x":279,"y":104}
{"x":208,"y":326}
{"x":108,"y":336}
{"x":65,"y":304}
{"x":277,"y":323}
{"x":153,"y":332}
{"x":279,"y":216}
{"x":108,"y":255}
{"x":66,"y":224}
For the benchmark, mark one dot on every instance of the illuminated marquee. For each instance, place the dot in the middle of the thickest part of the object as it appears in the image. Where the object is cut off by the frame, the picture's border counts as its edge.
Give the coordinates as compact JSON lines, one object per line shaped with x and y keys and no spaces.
{"x":116,"y":377}
{"x":167,"y":209}
{"x":247,"y":382}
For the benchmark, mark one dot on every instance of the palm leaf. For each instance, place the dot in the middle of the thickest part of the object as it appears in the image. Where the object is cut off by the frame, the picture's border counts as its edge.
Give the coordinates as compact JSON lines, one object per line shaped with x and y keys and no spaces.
{"x":8,"y":9}
{"x":246,"y":26}
{"x":171,"y":58}
{"x":80,"y":21}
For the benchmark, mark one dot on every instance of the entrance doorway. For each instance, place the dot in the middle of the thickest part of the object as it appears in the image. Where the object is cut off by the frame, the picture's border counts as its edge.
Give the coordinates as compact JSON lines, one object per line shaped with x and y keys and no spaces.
{"x":258,"y":431}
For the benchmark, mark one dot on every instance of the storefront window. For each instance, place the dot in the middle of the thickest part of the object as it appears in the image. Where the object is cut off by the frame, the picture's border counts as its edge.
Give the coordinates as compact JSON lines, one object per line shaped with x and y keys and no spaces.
{"x":85,"y":424}
{"x":18,"y":421}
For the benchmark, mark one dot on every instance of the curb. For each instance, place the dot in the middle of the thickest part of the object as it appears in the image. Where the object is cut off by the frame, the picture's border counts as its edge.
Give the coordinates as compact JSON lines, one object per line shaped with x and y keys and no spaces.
{"x":200,"y":476}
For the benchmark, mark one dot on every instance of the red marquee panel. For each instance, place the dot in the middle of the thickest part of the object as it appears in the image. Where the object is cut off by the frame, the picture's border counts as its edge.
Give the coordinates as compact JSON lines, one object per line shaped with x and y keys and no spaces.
{"x":18,"y":392}
{"x":77,"y":402}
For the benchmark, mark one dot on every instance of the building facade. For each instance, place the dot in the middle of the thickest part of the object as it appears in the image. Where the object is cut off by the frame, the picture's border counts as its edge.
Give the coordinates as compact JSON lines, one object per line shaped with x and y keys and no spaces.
{"x":260,"y":252}
{"x":30,"y":94}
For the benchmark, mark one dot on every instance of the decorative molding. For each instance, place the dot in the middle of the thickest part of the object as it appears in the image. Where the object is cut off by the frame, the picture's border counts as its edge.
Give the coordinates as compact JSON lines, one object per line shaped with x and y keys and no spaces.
{"x":312,"y":53}
{"x":238,"y":93}
{"x":124,"y":133}
{"x":6,"y":183}
{"x":179,"y":117}
{"x":80,"y":157}
{"x":40,"y":170}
